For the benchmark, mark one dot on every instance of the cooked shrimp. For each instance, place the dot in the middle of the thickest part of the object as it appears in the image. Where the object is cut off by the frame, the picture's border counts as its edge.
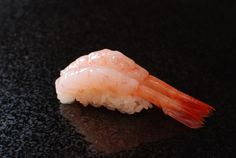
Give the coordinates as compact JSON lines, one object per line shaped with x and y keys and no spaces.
{"x":109,"y":78}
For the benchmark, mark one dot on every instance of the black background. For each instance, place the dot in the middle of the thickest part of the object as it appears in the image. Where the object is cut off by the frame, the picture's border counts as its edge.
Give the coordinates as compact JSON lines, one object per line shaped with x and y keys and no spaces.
{"x":189,"y":44}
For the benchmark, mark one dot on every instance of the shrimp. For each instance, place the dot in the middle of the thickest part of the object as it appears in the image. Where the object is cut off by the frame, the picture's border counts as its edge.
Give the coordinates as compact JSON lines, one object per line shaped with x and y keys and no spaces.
{"x":111,"y":79}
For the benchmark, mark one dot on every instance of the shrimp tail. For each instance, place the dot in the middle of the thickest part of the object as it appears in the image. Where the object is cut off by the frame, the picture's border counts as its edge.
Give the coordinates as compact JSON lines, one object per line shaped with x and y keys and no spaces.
{"x":180,"y":106}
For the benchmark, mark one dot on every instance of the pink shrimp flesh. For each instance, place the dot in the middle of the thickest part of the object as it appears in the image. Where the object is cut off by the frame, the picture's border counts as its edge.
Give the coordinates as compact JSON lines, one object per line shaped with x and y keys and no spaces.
{"x":109,"y":77}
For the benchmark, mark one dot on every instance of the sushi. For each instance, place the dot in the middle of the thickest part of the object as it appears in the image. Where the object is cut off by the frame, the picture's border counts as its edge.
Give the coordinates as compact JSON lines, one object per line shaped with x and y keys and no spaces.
{"x":111,"y":79}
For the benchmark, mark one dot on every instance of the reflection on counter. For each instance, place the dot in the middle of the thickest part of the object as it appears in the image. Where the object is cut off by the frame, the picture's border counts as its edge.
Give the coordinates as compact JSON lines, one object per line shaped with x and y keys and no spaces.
{"x":110,"y":131}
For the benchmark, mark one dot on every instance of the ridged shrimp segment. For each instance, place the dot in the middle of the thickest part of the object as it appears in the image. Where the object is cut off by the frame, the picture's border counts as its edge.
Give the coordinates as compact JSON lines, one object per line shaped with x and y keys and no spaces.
{"x":112,"y":59}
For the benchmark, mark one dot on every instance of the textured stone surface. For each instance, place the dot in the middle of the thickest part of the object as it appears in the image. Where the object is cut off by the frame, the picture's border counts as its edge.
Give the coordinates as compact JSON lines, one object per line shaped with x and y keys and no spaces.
{"x":189,"y":44}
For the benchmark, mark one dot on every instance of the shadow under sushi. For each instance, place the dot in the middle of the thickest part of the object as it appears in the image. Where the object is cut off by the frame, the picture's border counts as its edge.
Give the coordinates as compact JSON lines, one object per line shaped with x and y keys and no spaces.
{"x":110,"y":131}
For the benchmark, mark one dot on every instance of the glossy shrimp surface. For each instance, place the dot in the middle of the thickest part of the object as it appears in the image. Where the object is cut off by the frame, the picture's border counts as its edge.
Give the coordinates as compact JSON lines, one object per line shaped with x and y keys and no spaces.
{"x":110,"y":59}
{"x":114,"y":80}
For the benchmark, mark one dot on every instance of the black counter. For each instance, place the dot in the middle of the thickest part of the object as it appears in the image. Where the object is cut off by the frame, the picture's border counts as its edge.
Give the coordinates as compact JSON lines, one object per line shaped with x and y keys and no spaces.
{"x":189,"y":44}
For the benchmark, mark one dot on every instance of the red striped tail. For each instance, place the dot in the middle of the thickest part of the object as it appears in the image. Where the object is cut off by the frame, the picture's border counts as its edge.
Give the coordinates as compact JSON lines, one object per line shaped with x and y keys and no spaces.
{"x":174,"y":103}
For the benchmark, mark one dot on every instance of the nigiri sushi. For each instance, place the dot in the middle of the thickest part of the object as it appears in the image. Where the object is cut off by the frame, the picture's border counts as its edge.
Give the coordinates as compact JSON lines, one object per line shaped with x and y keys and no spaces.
{"x":111,"y":79}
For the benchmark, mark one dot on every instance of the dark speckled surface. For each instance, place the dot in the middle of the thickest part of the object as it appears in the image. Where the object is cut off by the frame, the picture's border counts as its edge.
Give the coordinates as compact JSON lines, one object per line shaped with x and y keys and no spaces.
{"x":189,"y":44}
